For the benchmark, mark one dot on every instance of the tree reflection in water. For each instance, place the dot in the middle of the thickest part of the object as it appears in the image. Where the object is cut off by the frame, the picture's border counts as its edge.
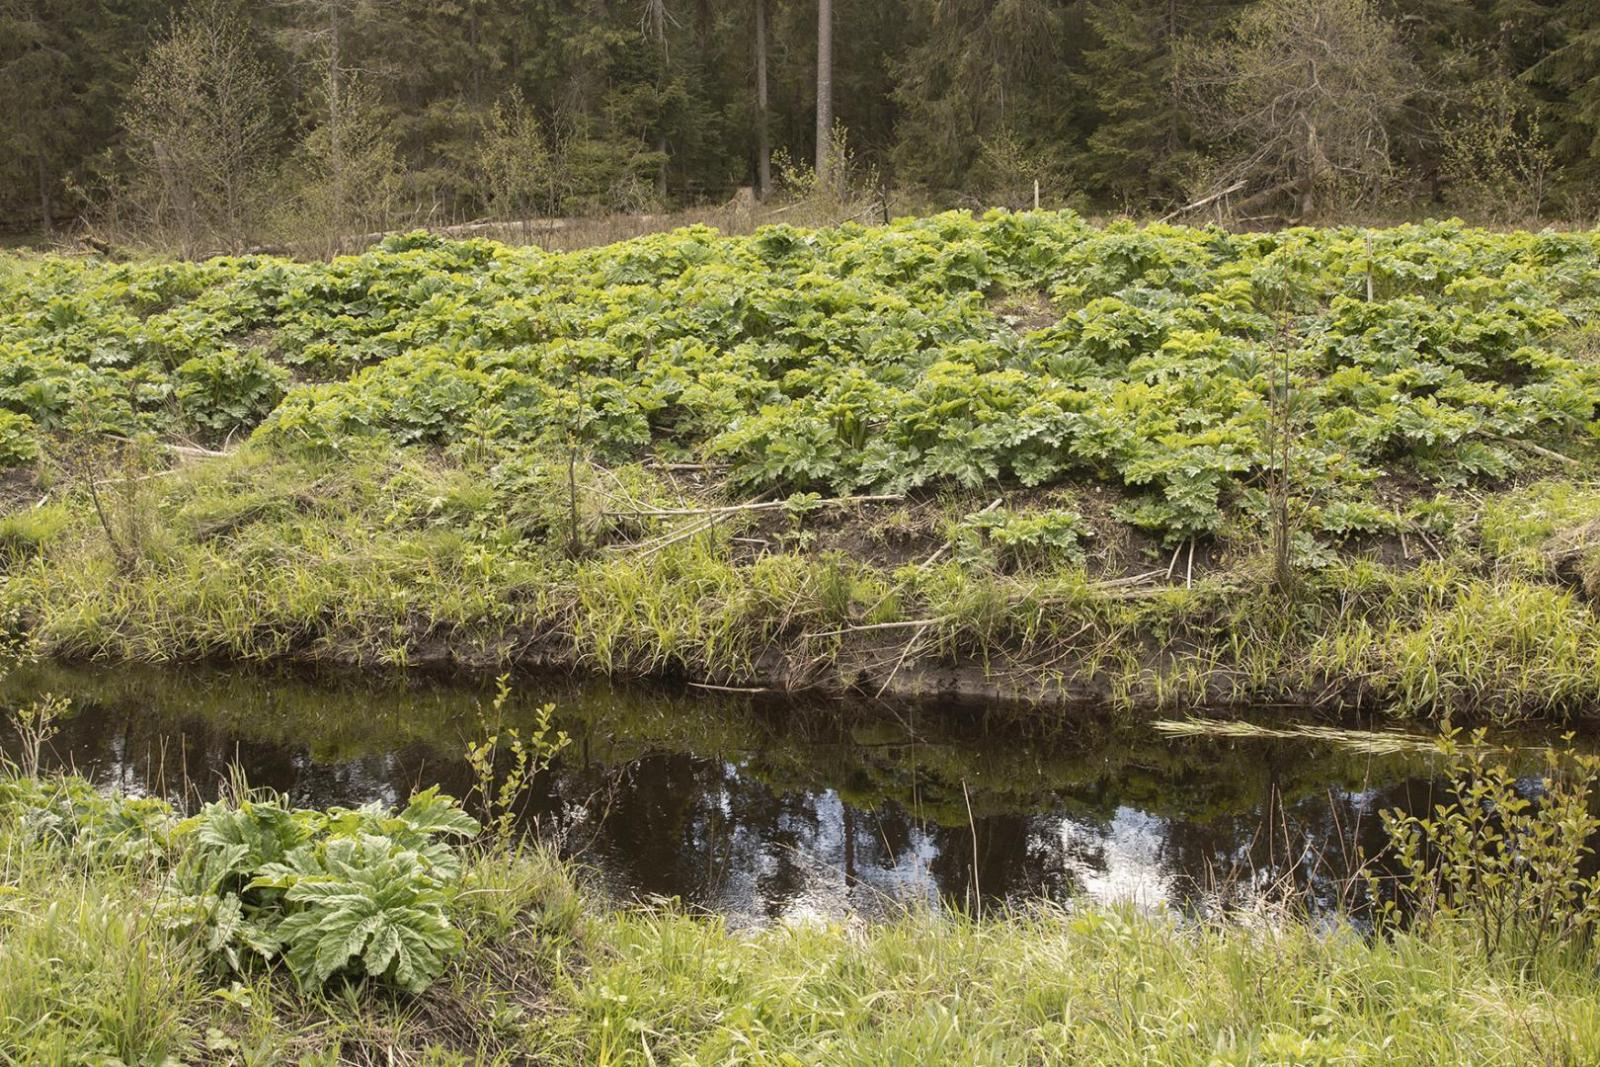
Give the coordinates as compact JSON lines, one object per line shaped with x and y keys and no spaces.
{"x":767,"y":811}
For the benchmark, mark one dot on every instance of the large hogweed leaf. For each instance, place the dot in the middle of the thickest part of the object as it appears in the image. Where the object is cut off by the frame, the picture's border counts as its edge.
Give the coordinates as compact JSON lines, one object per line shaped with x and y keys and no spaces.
{"x":361,"y":903}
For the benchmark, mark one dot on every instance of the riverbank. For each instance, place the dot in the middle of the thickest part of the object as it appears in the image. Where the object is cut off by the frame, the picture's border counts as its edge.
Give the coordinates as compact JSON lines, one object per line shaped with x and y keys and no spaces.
{"x":100,"y":955}
{"x":1020,"y":457}
{"x":393,"y":558}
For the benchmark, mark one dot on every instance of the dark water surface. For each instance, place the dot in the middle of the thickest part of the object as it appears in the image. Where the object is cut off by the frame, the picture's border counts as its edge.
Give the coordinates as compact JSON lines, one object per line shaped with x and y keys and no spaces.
{"x":767,"y":809}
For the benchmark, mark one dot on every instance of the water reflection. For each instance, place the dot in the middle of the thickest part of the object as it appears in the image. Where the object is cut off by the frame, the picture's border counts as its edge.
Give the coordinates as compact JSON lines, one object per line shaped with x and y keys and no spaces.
{"x":773,"y":811}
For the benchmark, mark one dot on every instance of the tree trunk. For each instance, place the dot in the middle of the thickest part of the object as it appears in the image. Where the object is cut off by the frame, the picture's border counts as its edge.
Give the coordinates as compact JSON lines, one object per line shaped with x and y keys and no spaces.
{"x":661,"y":175}
{"x":763,"y":131}
{"x":1307,"y":203}
{"x":335,"y":124}
{"x":47,"y":222}
{"x":824,"y":91}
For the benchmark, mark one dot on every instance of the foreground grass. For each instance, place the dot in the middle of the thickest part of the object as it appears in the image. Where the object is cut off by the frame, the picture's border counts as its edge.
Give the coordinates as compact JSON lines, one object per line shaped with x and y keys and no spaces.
{"x":91,"y":973}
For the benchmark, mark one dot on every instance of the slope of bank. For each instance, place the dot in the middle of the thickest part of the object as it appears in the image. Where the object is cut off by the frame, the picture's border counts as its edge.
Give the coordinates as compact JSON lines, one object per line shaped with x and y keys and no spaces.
{"x":404,"y":559}
{"x":1020,"y":456}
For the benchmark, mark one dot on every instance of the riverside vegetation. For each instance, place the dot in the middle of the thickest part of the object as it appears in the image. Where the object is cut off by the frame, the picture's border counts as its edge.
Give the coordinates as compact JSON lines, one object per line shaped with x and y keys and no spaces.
{"x":252,"y":932}
{"x":1150,"y":465}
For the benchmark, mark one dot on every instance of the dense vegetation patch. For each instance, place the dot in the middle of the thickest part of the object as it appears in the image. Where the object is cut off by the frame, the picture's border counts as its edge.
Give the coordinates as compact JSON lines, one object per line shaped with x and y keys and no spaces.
{"x":1155,"y":464}
{"x":1019,"y":348}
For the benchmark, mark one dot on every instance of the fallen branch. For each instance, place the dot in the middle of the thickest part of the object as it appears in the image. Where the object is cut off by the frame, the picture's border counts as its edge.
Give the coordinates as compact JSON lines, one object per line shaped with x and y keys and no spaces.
{"x":1132,"y":579}
{"x":1204,"y":200}
{"x":767,"y":505}
{"x":650,"y":548}
{"x":1538,"y":450}
{"x":906,"y":624}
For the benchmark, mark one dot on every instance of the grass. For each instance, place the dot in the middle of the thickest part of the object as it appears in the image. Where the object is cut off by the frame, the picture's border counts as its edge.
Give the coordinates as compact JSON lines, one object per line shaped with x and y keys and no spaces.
{"x":90,"y":973}
{"x":1099,"y":986}
{"x":395,"y":557}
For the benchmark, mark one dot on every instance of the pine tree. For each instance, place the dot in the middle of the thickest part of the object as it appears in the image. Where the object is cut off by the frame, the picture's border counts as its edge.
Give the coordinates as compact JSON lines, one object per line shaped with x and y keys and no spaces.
{"x":1140,"y":147}
{"x":1572,"y":70}
{"x":984,"y":69}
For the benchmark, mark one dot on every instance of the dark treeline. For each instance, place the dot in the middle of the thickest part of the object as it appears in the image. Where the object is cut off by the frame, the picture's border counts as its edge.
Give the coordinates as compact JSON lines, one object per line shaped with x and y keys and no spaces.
{"x":210,"y":123}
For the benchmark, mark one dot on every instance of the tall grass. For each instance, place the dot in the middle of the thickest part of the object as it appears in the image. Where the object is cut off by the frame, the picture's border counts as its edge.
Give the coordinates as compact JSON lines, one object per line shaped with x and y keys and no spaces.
{"x":86,"y":969}
{"x":391,"y":558}
{"x":1051,"y":986}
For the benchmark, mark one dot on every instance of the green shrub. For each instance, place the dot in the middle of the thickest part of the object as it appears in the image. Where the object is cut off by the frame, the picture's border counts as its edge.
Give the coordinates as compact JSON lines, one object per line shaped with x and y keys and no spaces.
{"x":228,"y":390}
{"x":363,"y":892}
{"x":1504,"y":859}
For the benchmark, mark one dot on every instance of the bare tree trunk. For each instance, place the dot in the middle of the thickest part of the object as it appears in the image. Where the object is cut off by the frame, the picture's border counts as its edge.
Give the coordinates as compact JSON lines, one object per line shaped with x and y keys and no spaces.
{"x":335,"y":122}
{"x":47,"y":222}
{"x":763,"y":131}
{"x":1308,"y":180}
{"x":824,"y":90}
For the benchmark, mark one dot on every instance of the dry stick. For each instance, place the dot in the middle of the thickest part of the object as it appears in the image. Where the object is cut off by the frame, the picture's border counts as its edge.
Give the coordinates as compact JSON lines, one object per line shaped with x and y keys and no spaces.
{"x":1538,"y":450}
{"x":1405,"y":545}
{"x":1132,"y":579}
{"x":671,"y":539}
{"x":1369,"y":268}
{"x":906,"y":624}
{"x":977,"y":890}
{"x":105,"y":524}
{"x":1429,"y":541}
{"x":1174,"y":564}
{"x":730,"y":509}
{"x":729,"y":688}
{"x":674,"y":537}
{"x":904,"y":652}
{"x":576,"y":543}
{"x":1203,"y":201}
{"x":1188,"y":581}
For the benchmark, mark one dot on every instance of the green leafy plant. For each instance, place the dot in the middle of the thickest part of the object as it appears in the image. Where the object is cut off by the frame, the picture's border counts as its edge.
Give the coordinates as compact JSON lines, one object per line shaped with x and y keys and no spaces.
{"x":359,"y":903}
{"x":1013,"y":540}
{"x":361,"y":892}
{"x":1504,"y":858}
{"x":504,"y":764}
{"x":227,"y":389}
